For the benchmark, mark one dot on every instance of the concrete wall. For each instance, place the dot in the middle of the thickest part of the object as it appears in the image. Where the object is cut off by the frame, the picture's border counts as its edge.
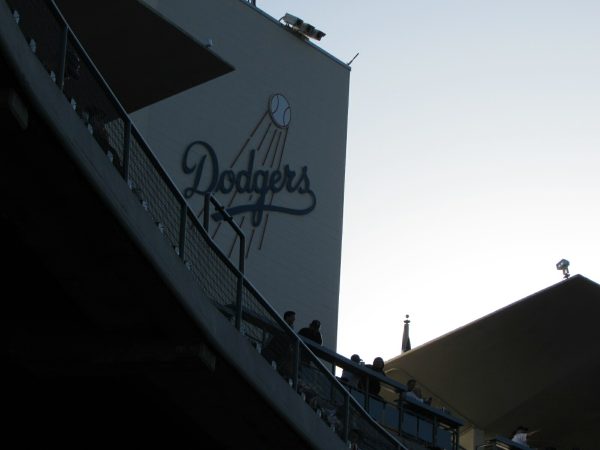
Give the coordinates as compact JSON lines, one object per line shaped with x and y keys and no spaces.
{"x":292,"y":259}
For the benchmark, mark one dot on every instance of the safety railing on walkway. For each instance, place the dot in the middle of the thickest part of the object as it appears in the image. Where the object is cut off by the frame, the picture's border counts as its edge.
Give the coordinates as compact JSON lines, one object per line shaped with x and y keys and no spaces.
{"x":410,"y":420}
{"x":501,"y":443}
{"x":69,"y":66}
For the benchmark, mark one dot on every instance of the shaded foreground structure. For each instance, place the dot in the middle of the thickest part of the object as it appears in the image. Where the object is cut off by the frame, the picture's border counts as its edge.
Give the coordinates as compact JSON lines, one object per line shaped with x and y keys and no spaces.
{"x":125,"y":323}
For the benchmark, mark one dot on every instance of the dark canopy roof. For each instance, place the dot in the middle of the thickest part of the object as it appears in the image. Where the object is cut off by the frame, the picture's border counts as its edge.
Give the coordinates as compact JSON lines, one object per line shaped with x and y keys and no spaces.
{"x":143,"y":57}
{"x":535,"y":362}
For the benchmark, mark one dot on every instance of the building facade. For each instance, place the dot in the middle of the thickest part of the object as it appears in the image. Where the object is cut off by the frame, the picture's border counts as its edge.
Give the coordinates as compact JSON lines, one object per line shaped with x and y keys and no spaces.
{"x":269,"y":139}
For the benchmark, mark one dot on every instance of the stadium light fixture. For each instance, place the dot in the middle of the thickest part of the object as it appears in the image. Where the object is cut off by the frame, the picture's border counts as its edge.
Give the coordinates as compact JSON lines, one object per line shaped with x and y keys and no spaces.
{"x":563,"y":265}
{"x":293,"y":21}
{"x":305,"y":30}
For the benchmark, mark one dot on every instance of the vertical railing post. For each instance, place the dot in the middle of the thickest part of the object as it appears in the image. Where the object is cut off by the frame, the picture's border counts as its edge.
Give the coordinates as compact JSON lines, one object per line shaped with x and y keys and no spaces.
{"x":296,"y":363}
{"x":238,"y":301}
{"x":400,"y":412}
{"x":455,"y":438}
{"x":206,"y":210}
{"x":242,"y":250}
{"x":182,"y":227}
{"x":62,"y":67}
{"x":126,"y":148}
{"x":224,"y":215}
{"x":240,"y":281}
{"x":346,"y":417}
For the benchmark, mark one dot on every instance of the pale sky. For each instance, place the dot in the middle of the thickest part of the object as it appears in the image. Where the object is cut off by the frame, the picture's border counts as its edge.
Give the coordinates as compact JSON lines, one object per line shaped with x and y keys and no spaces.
{"x":473,"y":157}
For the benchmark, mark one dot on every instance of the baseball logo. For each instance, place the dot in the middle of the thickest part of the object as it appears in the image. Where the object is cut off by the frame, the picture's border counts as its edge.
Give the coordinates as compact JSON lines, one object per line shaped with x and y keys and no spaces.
{"x":280,"y":110}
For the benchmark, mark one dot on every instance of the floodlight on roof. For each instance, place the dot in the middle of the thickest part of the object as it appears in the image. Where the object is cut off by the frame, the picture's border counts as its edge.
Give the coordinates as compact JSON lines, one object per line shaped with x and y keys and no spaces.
{"x":306,"y":30}
{"x":293,"y":21}
{"x":563,"y":265}
{"x":318,"y":35}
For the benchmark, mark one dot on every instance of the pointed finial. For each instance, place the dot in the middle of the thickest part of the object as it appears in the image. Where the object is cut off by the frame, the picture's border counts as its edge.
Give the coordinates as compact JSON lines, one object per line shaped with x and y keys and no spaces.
{"x":405,"y":338}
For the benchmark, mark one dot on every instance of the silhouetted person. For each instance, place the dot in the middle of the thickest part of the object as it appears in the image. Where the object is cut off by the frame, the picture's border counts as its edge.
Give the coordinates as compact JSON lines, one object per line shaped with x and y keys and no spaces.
{"x":374,"y":384}
{"x":348,"y":376}
{"x":312,"y":332}
{"x":413,"y":392}
{"x":280,"y":349}
{"x":290,"y":318}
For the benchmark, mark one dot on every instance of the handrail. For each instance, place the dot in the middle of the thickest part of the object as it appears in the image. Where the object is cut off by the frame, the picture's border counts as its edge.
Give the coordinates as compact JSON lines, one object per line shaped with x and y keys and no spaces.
{"x":209,"y":198}
{"x":148,"y":180}
{"x":300,"y":343}
{"x":404,"y":405}
{"x":501,"y":443}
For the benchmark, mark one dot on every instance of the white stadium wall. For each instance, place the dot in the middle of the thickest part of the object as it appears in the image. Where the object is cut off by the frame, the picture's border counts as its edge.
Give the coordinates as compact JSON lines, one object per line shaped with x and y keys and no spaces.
{"x":270,"y":139}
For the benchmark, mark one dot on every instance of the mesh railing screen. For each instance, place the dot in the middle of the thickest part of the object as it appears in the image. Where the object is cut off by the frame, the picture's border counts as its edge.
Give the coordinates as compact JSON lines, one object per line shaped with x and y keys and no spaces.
{"x":157,"y":197}
{"x":215,"y":278}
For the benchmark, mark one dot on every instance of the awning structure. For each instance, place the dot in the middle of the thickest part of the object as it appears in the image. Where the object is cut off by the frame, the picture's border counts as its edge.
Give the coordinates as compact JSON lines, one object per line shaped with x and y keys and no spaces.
{"x":535,"y":363}
{"x":143,"y":57}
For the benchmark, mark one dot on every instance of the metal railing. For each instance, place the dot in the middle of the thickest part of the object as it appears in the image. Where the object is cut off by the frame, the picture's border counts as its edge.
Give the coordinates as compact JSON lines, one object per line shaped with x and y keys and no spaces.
{"x":411,"y":421}
{"x":69,"y":66}
{"x":501,"y":443}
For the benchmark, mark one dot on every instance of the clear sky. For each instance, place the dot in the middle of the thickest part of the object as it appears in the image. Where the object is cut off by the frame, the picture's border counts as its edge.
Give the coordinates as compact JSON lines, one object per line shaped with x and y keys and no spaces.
{"x":473,"y":157}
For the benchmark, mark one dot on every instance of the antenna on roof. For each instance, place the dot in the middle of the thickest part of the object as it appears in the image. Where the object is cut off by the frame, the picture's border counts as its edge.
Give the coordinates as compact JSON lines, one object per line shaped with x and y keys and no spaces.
{"x":350,"y":62}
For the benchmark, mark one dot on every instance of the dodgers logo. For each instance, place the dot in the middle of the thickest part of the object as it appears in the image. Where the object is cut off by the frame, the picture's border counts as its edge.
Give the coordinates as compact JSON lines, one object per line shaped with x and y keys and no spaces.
{"x":255,"y":175}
